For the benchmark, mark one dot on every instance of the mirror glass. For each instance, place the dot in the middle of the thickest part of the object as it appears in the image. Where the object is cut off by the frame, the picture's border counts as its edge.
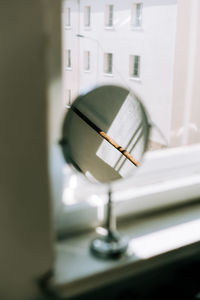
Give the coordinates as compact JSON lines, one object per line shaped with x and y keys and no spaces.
{"x":105,"y":133}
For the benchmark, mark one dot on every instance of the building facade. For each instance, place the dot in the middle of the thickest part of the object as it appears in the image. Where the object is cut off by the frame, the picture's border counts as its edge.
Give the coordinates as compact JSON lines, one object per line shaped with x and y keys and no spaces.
{"x":129,"y":43}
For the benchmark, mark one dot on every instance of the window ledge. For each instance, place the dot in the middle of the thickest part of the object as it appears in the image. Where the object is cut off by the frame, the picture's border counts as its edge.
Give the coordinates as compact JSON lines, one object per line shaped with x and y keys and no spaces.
{"x":68,"y":69}
{"x":67,"y":27}
{"x":88,"y":28}
{"x":108,"y":75}
{"x":139,"y":29}
{"x":154,"y":241}
{"x":111,"y":28}
{"x":136,"y":79}
{"x":87,"y":71}
{"x":166,"y":179}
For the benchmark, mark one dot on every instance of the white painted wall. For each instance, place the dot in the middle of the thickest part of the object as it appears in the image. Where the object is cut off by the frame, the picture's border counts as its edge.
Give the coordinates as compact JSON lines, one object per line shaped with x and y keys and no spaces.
{"x":154,"y":42}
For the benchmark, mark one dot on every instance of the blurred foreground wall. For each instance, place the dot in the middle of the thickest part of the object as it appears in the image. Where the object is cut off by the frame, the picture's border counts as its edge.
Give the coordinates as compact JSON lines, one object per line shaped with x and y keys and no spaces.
{"x":25,"y":218}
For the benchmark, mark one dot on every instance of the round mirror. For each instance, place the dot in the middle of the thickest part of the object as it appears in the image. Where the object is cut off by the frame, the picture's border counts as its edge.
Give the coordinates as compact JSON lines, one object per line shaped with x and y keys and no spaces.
{"x":105,"y":134}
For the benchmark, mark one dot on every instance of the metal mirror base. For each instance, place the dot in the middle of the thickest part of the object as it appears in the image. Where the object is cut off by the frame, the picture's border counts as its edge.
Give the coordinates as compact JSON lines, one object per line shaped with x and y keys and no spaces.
{"x":109,"y":246}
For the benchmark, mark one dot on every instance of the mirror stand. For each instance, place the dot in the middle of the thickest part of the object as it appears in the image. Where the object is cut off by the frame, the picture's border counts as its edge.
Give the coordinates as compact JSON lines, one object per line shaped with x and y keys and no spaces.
{"x":105,"y":134}
{"x":110,"y":245}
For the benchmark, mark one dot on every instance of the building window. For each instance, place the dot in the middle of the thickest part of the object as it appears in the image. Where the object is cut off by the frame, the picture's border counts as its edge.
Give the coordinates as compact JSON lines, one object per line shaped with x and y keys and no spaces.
{"x":134,"y":66}
{"x":136,"y":18}
{"x":68,"y":17}
{"x":109,"y":15}
{"x":68,"y":97}
{"x":108,"y":63}
{"x":86,"y":60}
{"x":68,"y":58}
{"x":87,"y":16}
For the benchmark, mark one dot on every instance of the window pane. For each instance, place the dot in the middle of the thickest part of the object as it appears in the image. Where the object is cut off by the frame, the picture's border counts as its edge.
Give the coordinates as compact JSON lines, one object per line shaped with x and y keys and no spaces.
{"x":109,"y":15}
{"x":68,"y":97}
{"x":157,"y":55}
{"x":68,"y":17}
{"x":86,"y":60}
{"x":108,"y":63}
{"x":68,"y":58}
{"x":87,"y":16}
{"x":137,"y":15}
{"x":134,"y":66}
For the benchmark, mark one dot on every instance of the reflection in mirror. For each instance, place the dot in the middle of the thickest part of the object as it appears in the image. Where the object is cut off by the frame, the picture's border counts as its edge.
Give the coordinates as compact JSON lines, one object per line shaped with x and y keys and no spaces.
{"x":104,"y":137}
{"x":105,"y":134}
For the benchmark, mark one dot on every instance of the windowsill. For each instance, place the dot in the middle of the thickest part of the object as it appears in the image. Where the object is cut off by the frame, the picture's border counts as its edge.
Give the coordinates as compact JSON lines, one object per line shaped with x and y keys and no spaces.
{"x":165,"y":179}
{"x":87,"y":71}
{"x":154,"y":240}
{"x":88,"y":28}
{"x":67,"y":27}
{"x":111,"y":28}
{"x":139,"y":29}
{"x":136,"y":79}
{"x":108,"y":75}
{"x":68,"y":69}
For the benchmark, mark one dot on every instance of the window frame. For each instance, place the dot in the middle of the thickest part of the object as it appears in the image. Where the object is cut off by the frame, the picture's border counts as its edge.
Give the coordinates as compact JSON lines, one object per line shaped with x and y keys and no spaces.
{"x":87,"y":16}
{"x":139,"y":194}
{"x":84,"y":210}
{"x":136,"y":22}
{"x":108,"y":63}
{"x":68,"y":59}
{"x":134,"y":66}
{"x":87,"y":61}
{"x":109,"y":16}
{"x":68,"y":17}
{"x":68,"y":97}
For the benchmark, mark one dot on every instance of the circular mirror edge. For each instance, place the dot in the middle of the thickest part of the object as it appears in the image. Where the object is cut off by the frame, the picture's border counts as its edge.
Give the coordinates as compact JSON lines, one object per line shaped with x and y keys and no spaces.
{"x":73,"y":166}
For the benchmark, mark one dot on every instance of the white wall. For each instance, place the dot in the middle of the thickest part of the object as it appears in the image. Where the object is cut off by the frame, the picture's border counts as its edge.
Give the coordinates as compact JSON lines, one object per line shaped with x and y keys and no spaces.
{"x":26,"y":250}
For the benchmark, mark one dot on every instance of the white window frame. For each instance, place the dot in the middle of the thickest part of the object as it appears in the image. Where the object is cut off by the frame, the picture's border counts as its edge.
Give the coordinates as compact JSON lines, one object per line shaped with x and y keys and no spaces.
{"x":136,"y":15}
{"x":109,"y":16}
{"x":166,"y":178}
{"x":87,"y":16}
